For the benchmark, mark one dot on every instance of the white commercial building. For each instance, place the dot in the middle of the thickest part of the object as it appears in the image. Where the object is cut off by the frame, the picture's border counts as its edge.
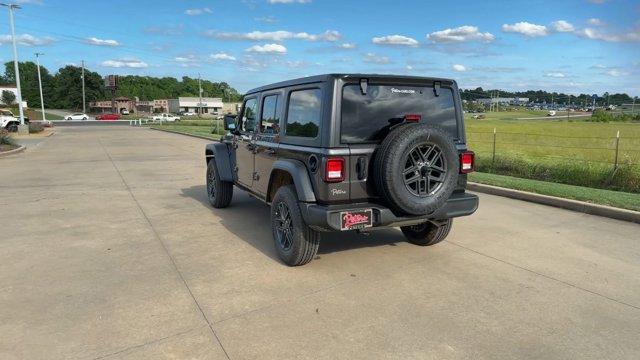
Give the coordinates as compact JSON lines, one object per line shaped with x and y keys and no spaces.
{"x":193,"y":104}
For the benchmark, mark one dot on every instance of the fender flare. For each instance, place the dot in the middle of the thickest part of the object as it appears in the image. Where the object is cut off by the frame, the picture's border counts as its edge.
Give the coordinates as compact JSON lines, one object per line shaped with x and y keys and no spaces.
{"x":300,"y":176}
{"x":223,"y":158}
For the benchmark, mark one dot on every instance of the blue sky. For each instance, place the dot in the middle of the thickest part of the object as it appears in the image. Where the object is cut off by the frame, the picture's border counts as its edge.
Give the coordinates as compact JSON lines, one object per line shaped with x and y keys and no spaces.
{"x":575,"y":46}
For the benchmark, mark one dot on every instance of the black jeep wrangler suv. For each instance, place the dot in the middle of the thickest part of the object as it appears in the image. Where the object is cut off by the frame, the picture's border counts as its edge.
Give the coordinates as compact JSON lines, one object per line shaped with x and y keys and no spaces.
{"x":343,"y":152}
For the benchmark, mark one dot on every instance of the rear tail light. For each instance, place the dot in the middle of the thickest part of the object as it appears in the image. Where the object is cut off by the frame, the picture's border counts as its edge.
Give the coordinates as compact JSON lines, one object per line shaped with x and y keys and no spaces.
{"x":412,"y":118}
{"x":334,"y":170}
{"x":466,"y":162}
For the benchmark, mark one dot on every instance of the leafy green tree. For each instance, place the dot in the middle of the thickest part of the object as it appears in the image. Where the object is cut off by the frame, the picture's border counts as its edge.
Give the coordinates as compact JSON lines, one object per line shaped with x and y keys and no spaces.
{"x":29,"y":81}
{"x":8,"y":97}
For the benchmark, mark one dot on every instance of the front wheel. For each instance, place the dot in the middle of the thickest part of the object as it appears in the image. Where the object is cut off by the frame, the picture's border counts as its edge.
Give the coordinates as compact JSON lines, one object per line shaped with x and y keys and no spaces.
{"x":219,"y":192}
{"x":427,"y":233}
{"x":295,"y":242}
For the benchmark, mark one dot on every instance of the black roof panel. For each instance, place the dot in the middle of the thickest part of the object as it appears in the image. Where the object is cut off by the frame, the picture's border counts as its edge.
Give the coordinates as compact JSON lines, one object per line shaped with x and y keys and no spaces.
{"x":328,"y":77}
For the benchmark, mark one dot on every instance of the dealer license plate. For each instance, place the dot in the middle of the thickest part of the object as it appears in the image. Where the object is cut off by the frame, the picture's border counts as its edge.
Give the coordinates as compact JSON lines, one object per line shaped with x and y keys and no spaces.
{"x":353,"y":220}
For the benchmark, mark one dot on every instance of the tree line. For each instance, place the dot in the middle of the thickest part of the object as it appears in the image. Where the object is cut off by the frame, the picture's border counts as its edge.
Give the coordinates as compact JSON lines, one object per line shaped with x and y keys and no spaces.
{"x":540,"y":96}
{"x":63,"y":90}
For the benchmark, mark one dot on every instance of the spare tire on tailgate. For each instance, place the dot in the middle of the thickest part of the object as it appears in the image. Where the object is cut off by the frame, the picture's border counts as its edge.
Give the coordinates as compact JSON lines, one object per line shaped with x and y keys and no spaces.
{"x":416,"y":169}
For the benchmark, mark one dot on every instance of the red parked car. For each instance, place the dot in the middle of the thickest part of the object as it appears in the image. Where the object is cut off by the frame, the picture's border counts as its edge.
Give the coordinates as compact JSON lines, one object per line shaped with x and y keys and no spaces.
{"x":108,"y":117}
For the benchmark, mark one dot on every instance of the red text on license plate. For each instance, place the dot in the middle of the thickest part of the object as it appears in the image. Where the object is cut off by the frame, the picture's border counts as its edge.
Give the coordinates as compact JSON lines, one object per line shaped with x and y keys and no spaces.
{"x":351,"y":220}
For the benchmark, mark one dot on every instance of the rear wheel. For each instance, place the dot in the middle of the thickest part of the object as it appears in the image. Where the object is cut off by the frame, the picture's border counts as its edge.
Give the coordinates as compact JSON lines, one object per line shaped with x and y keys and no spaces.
{"x":295,"y":242}
{"x":427,"y":233}
{"x":219,"y":192}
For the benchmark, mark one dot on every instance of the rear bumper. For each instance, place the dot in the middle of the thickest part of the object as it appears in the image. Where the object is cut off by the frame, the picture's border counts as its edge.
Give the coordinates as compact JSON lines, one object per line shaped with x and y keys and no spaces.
{"x":327,"y":217}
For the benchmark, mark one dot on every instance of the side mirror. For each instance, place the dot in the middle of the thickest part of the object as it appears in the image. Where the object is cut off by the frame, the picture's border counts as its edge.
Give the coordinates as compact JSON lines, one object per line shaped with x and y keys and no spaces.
{"x":229,"y":122}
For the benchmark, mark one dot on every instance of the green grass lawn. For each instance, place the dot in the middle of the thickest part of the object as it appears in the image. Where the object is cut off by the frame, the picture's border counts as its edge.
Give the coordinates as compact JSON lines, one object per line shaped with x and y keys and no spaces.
{"x":37,"y":115}
{"x":190,"y":129}
{"x":597,"y":196}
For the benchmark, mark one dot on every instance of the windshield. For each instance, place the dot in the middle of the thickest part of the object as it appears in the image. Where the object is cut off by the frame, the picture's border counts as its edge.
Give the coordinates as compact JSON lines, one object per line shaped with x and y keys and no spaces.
{"x":6,"y":113}
{"x":367,"y":118}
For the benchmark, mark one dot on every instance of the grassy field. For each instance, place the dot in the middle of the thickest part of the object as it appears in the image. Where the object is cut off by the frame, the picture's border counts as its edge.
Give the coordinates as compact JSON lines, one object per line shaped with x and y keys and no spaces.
{"x":574,"y":151}
{"x":596,"y":196}
{"x":199,"y":130}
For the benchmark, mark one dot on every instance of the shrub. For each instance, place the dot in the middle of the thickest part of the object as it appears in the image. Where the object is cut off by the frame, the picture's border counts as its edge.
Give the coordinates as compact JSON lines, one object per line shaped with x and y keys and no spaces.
{"x":6,"y":139}
{"x":607,"y":116}
{"x":35,"y":127}
{"x":625,"y":178}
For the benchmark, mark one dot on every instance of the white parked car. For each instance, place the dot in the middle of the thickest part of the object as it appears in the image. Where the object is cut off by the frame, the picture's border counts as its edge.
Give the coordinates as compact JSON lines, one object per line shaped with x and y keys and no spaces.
{"x":165,"y":117}
{"x":551,"y":113}
{"x":189,"y":113}
{"x":77,"y":116}
{"x":125,"y":112}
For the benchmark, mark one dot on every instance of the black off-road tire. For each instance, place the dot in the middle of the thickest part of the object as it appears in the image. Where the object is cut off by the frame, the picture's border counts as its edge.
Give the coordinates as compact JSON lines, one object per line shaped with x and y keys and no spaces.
{"x":220,"y":195}
{"x":428,"y":233}
{"x":390,"y":162}
{"x":303,"y":241}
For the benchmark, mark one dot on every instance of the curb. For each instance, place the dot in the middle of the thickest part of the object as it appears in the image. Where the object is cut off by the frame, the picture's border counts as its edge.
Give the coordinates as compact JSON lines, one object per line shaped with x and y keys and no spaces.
{"x":574,"y":205}
{"x":14,"y":151}
{"x":181,"y":133}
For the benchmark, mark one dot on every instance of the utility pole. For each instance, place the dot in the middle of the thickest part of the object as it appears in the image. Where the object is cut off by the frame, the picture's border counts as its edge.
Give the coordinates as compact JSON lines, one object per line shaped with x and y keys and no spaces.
{"x":633,"y":105}
{"x":84,"y":109}
{"x":498,"y":101}
{"x":199,"y":96}
{"x":15,"y":58}
{"x":44,"y":118}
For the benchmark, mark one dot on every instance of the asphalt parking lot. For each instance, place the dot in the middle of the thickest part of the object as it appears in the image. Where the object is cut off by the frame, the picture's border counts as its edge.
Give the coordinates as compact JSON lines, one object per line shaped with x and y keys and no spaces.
{"x":109,"y":250}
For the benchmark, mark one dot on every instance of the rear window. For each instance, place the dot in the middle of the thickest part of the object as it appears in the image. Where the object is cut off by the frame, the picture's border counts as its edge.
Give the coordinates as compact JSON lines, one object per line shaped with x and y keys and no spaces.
{"x":367,"y":118}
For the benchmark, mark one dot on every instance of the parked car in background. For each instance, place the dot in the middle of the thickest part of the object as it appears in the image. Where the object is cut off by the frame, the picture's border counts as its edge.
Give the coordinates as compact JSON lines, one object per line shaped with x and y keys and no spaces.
{"x":108,"y":117}
{"x":165,"y":117}
{"x":189,"y":113}
{"x":551,"y":113}
{"x":125,"y":112}
{"x":77,"y":116}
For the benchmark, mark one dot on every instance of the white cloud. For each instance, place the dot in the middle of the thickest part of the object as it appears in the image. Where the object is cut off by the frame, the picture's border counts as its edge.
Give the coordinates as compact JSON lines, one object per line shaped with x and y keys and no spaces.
{"x":187,"y":60}
{"x":555,"y":75}
{"x":277,"y":36}
{"x":196,"y":12}
{"x":266,"y":19}
{"x":27,"y":40}
{"x":526,"y":29}
{"x":616,"y":73}
{"x":289,"y":1}
{"x":376,"y":59}
{"x":101,"y":42}
{"x":268,"y":49}
{"x":595,"y":22}
{"x":125,"y":63}
{"x":460,"y":34}
{"x":632,"y":35}
{"x":347,"y":46}
{"x":395,"y":40}
{"x":222,"y":56}
{"x":459,"y":68}
{"x":562,"y":26}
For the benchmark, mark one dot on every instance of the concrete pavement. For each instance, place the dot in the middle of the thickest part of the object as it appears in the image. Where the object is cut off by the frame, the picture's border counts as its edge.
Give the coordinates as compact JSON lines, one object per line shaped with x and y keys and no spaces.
{"x":109,"y":250}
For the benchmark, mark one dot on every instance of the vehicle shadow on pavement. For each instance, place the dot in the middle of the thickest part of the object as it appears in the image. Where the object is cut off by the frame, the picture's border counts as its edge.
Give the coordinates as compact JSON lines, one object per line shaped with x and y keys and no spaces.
{"x":249,"y":220}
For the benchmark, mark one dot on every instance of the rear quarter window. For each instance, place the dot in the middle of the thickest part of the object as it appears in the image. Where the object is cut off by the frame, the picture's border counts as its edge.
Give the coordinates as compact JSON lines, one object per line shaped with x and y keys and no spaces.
{"x":304,"y":112}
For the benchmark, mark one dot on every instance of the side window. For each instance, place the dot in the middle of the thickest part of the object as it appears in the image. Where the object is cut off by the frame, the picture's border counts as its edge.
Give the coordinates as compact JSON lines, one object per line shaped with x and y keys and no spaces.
{"x":270,"y":122}
{"x":249,"y":116}
{"x":303,"y":116}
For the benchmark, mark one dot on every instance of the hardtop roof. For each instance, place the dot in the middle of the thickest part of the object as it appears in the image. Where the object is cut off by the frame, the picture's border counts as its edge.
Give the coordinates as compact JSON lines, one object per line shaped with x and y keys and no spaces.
{"x":328,"y":77}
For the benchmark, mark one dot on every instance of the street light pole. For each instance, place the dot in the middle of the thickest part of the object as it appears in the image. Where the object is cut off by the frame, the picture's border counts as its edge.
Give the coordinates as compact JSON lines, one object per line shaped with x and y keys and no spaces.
{"x":44,"y":118}
{"x":84,"y":109}
{"x":15,"y":58}
{"x":199,"y":96}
